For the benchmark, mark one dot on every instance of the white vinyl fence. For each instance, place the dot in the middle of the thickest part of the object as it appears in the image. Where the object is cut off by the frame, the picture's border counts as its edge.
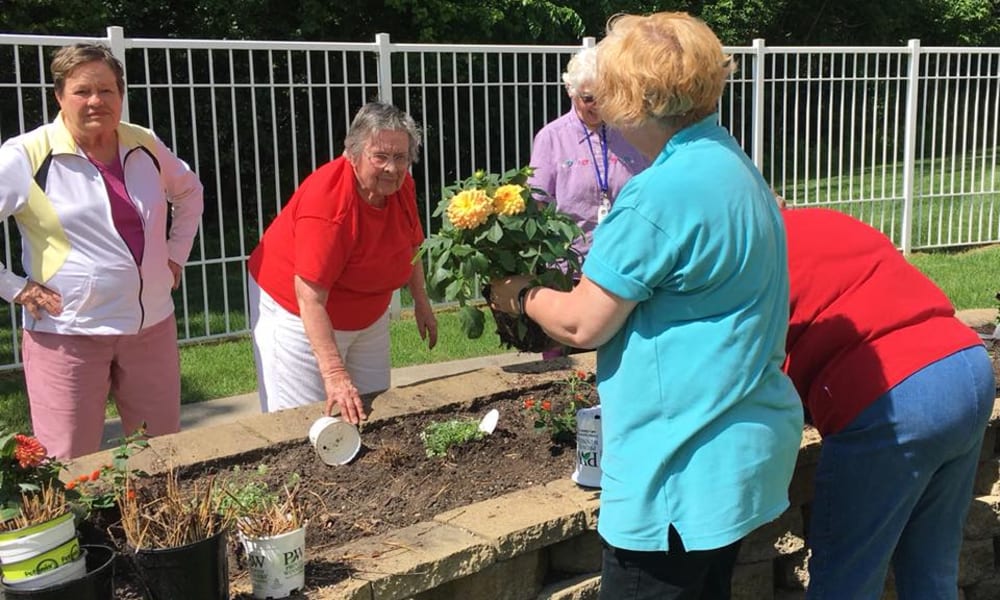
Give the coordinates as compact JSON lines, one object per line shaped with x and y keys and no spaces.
{"x":904,"y":138}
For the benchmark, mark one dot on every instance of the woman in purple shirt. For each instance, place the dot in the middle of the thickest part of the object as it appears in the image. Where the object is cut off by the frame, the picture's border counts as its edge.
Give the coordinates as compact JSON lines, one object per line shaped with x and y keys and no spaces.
{"x":580,"y":163}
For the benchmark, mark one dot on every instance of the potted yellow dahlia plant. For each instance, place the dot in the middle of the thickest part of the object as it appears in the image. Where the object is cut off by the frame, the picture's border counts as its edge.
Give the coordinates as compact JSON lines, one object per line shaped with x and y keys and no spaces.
{"x":494,"y":227}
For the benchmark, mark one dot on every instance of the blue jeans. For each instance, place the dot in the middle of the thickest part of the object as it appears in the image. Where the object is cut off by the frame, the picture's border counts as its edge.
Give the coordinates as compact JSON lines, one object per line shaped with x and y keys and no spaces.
{"x":894,"y":486}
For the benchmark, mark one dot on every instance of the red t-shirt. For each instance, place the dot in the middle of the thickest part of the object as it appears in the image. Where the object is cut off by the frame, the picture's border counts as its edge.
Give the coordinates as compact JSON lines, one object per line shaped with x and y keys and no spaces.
{"x":329,"y":236}
{"x":862,"y":319}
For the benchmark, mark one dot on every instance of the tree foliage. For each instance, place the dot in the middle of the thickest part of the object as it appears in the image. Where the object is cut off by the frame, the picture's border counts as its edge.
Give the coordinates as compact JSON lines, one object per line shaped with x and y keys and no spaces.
{"x":737,"y":22}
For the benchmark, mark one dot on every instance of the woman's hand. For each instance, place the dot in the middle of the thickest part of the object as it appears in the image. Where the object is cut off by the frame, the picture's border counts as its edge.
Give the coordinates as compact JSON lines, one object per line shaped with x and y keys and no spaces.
{"x":340,"y":392}
{"x":176,"y":270}
{"x":427,"y":325}
{"x":503,"y":293}
{"x":337,"y":384}
{"x":37,"y":298}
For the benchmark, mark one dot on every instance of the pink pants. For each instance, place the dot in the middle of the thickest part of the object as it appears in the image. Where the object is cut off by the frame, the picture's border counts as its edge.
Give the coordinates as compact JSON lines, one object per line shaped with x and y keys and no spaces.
{"x":69,"y":377}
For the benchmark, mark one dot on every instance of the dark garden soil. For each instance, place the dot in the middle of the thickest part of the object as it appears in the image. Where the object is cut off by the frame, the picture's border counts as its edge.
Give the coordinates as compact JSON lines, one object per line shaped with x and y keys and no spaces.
{"x":392,"y":483}
{"x":993,"y":347}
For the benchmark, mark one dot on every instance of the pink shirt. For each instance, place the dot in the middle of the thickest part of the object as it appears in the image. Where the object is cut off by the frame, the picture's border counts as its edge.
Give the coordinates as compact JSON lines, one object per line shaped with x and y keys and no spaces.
{"x":126,"y":219}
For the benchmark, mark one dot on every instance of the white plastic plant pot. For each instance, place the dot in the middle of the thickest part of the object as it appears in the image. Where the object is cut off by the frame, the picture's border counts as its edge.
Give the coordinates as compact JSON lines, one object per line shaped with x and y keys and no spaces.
{"x":22,"y":544}
{"x":336,"y":441}
{"x":48,"y":574}
{"x":29,"y":568}
{"x":588,"y":447}
{"x":277,"y":563}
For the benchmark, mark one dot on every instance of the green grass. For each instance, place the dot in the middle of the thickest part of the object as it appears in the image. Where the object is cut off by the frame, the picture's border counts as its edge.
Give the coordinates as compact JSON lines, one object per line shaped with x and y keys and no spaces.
{"x":944,"y":209}
{"x":970,"y":278}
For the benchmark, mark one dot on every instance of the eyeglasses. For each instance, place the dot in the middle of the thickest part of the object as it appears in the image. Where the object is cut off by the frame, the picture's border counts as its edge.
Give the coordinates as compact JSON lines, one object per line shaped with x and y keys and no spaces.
{"x":381,"y":159}
{"x":587,"y":98}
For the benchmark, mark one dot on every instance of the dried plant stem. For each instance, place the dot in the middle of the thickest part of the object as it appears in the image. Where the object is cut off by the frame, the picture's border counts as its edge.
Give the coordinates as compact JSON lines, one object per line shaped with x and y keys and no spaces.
{"x":38,"y":507}
{"x":176,"y":519}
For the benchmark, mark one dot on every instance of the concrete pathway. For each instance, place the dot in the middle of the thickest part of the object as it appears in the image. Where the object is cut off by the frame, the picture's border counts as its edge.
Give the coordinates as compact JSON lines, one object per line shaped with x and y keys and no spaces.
{"x":225,"y":410}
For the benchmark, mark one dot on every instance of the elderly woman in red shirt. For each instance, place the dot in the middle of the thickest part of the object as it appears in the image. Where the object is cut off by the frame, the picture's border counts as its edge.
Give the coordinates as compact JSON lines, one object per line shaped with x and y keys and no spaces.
{"x":324,"y":272}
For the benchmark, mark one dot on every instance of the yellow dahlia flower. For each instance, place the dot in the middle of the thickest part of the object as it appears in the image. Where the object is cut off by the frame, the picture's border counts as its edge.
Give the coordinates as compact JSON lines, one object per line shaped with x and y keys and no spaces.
{"x":469,"y":209}
{"x":508,"y":200}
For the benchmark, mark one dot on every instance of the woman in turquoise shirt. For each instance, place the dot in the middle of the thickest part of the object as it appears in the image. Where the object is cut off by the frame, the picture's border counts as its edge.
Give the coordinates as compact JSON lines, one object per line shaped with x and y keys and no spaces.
{"x":685,"y":297}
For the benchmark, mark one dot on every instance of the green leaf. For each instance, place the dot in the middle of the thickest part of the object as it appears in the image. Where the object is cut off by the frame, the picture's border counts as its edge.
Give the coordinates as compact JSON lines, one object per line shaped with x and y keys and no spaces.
{"x":530,"y":229}
{"x":495,"y":233}
{"x":507,"y":261}
{"x":454,"y":290}
{"x":472,"y":321}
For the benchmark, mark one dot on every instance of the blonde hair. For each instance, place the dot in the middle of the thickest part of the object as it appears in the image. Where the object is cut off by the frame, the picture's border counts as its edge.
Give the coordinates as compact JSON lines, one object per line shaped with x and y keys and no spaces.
{"x":68,"y":58}
{"x":667,"y":66}
{"x":581,"y":70}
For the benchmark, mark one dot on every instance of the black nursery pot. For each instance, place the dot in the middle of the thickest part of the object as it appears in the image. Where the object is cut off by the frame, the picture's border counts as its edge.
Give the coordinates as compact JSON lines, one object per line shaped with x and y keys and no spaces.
{"x":197,"y":571}
{"x":97,"y":584}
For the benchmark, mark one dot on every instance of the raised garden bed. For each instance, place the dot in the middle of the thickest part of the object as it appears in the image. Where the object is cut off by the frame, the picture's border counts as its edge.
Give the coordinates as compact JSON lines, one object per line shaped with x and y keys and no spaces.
{"x":392,"y":483}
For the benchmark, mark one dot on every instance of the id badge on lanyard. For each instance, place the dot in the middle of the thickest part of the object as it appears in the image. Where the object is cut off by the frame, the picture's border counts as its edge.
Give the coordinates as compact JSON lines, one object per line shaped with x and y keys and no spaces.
{"x":602,"y":182}
{"x":604,"y":208}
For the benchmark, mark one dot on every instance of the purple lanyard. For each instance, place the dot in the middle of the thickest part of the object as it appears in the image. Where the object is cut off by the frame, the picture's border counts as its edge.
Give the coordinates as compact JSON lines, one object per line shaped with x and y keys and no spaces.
{"x":601,"y":183}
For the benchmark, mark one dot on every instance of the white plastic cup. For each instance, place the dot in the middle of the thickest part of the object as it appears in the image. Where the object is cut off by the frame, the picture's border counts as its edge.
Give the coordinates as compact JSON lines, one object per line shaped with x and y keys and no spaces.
{"x":337,"y":442}
{"x":588,"y":447}
{"x":277,"y":564}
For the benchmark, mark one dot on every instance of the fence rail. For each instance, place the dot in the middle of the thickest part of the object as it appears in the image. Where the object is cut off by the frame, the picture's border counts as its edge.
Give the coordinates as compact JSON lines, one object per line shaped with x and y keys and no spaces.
{"x":904,"y":138}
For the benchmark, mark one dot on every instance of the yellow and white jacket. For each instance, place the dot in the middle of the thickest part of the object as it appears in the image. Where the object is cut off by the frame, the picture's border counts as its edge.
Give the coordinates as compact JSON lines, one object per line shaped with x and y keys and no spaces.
{"x":69,"y":241}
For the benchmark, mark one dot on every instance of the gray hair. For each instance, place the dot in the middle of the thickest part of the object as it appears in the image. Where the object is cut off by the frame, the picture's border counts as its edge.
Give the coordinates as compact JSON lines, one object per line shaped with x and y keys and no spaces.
{"x":68,"y":58}
{"x":376,"y":117}
{"x":581,"y":70}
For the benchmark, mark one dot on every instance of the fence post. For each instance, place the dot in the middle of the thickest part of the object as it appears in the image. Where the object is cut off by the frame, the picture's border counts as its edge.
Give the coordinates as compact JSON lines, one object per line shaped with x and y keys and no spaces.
{"x":385,"y":95}
{"x":384,"y":67}
{"x":116,"y":41}
{"x":757,"y":145}
{"x":909,"y":144}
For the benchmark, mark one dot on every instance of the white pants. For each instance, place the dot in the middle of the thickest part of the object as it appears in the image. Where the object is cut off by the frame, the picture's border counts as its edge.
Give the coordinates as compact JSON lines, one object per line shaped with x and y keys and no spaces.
{"x":287,"y":372}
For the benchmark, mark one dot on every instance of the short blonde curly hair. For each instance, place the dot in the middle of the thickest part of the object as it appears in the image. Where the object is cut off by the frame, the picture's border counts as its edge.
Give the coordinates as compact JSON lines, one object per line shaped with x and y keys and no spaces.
{"x":667,"y":66}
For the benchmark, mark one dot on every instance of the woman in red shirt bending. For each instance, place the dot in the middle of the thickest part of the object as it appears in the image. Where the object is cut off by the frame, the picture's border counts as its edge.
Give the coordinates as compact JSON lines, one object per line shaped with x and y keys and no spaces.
{"x":324,"y":272}
{"x":901,"y":391}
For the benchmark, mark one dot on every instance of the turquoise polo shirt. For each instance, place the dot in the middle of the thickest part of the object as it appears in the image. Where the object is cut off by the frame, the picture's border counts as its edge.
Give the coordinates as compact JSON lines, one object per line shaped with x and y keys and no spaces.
{"x":700,"y":427}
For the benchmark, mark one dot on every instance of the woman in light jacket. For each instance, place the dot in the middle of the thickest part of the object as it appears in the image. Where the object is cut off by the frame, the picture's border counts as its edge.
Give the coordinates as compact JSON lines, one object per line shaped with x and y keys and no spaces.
{"x":91,"y":197}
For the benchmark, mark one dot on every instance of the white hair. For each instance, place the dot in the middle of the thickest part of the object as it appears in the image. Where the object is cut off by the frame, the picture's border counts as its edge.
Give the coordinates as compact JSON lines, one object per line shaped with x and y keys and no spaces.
{"x":581,"y":70}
